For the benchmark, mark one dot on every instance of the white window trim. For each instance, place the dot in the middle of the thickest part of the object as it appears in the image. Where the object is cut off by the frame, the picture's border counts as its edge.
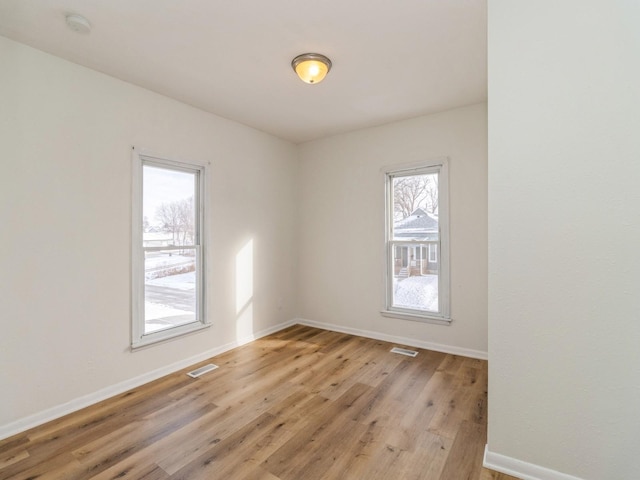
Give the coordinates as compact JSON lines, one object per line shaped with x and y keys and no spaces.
{"x":444,"y":286}
{"x":138,"y":338}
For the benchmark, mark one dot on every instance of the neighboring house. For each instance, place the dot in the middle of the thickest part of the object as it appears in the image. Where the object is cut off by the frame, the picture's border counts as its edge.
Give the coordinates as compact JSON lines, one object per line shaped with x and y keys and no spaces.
{"x":416,"y":259}
{"x":157,"y":238}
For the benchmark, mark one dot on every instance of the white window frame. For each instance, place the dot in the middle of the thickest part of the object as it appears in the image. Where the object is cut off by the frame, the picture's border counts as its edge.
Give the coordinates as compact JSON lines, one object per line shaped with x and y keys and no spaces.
{"x":441,"y":166}
{"x":138,"y":336}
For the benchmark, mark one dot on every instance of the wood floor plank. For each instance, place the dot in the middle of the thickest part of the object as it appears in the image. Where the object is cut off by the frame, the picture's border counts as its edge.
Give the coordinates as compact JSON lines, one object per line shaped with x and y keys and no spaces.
{"x":402,"y":385}
{"x":12,"y":457}
{"x":330,"y":369}
{"x":384,"y":467}
{"x":63,"y":465}
{"x":465,"y":458}
{"x":120,"y":444}
{"x":14,"y":444}
{"x":452,"y":364}
{"x":138,"y":401}
{"x":223,"y":424}
{"x":180,"y":446}
{"x":215,"y":460}
{"x":462,"y":402}
{"x":302,"y":403}
{"x":427,"y":459}
{"x":419,"y":413}
{"x":133,"y":468}
{"x":256,"y":446}
{"x":327,"y":445}
{"x":260,"y":383}
{"x":491,"y":475}
{"x":324,"y":430}
{"x":359,"y":459}
{"x":58,"y":438}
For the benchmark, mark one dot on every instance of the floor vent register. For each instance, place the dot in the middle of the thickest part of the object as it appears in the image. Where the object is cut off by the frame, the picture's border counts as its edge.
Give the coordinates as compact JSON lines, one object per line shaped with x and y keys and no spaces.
{"x":202,"y":370}
{"x":404,"y":351}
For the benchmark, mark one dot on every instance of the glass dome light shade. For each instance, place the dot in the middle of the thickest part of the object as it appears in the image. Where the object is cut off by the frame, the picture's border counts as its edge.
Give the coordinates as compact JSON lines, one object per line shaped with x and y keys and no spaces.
{"x":311,"y":67}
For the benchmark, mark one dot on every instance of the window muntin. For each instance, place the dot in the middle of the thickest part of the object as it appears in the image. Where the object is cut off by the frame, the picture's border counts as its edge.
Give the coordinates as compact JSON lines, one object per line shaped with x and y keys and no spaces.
{"x":417,"y":236}
{"x":167,"y":249}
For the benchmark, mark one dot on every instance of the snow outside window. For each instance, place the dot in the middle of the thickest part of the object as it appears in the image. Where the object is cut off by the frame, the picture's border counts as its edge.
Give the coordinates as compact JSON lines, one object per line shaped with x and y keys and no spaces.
{"x":168,"y":280}
{"x":417,"y":270}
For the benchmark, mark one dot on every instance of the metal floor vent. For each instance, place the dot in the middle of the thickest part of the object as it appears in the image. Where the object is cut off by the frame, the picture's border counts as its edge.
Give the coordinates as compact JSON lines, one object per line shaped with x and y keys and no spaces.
{"x":404,"y":351}
{"x":202,"y":370}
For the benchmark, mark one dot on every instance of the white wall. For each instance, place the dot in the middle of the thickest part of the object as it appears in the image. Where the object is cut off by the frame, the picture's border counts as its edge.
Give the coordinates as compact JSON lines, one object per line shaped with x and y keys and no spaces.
{"x":341,"y":225}
{"x":65,"y":205}
{"x":564,"y":236}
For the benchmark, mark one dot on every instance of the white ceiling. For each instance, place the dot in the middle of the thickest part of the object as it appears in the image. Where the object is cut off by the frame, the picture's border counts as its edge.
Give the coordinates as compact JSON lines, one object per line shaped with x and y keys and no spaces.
{"x":392,"y":59}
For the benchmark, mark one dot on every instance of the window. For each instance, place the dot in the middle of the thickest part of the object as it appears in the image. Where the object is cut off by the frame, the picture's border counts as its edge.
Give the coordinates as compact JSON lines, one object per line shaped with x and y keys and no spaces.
{"x":433,"y":253}
{"x":417,"y":266}
{"x":167,"y":253}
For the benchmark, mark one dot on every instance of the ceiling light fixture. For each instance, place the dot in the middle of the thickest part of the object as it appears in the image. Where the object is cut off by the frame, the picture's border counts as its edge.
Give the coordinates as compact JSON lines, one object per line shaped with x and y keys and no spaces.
{"x":311,"y":67}
{"x":78,"y":23}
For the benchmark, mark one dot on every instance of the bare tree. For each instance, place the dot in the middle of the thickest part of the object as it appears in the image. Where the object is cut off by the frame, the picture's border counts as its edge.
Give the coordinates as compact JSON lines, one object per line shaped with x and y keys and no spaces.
{"x":186,"y":217}
{"x":168,"y":216}
{"x":408,"y":194}
{"x":416,"y":191}
{"x":177,"y":217}
{"x":432,"y":194}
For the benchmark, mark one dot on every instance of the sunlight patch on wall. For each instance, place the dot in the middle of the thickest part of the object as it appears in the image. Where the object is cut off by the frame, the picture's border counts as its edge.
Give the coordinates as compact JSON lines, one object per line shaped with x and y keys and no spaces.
{"x":244,"y":291}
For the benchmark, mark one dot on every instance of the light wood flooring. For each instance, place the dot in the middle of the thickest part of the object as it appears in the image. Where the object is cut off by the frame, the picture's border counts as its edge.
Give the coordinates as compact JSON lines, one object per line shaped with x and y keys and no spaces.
{"x":302,"y":404}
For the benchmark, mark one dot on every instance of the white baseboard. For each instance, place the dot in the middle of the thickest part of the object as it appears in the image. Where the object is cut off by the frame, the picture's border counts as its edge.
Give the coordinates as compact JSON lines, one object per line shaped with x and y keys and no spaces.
{"x":518,"y":468}
{"x":411,"y":342}
{"x":76,"y":404}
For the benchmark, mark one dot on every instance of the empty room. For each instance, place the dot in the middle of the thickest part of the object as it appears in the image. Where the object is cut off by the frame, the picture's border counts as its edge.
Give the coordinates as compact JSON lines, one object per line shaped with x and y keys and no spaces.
{"x":334,"y":240}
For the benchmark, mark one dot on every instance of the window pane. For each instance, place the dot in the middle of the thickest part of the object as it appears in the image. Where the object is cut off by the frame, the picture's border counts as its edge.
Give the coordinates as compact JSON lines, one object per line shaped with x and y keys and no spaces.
{"x":167,"y":251}
{"x":415,"y":278}
{"x":415,"y":207}
{"x":169,"y":288}
{"x":415,"y":219}
{"x":169,"y":215}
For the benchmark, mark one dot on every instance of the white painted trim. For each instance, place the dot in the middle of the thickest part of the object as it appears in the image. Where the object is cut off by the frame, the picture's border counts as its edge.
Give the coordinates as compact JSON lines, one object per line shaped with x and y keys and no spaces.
{"x":145,"y":152}
{"x":139,"y":338}
{"x":76,"y":404}
{"x":168,"y":334}
{"x":414,"y":166}
{"x":440,"y":166}
{"x":518,"y":468}
{"x":409,"y":315}
{"x":411,"y":342}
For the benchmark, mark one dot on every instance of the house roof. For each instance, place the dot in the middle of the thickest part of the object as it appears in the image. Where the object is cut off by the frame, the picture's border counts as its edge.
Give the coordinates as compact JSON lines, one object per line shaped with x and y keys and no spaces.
{"x":420,"y":225}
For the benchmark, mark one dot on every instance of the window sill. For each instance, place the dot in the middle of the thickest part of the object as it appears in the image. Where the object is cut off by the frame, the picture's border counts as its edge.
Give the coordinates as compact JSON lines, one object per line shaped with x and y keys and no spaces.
{"x":168,"y":334}
{"x":416,"y":317}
